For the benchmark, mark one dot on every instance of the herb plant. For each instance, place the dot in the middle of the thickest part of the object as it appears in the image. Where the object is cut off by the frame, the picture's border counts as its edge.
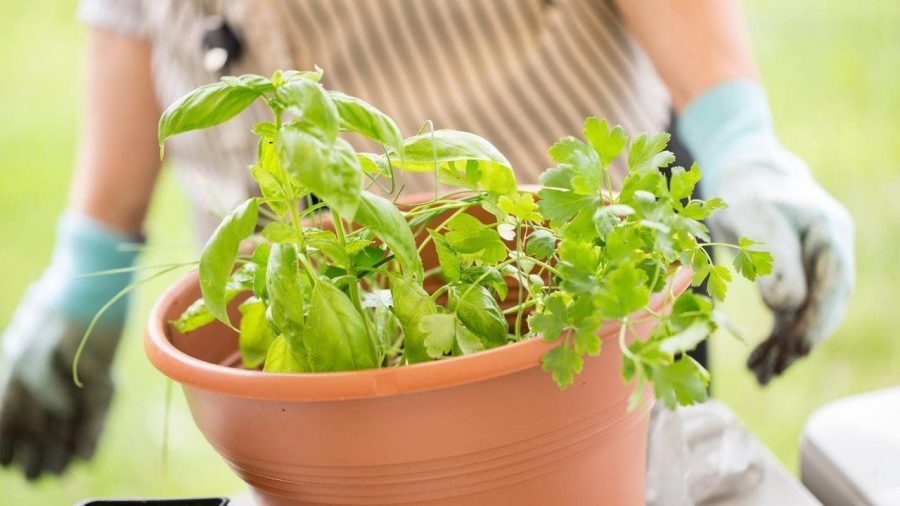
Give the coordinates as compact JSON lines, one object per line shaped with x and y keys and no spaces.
{"x":334,"y":272}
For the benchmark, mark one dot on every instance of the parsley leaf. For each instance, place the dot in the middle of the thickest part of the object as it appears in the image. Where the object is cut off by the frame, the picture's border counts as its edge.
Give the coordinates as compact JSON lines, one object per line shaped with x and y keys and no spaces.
{"x":752,"y":264}
{"x":608,"y":143}
{"x":563,"y":363}
{"x":550,"y":322}
{"x":683,"y":382}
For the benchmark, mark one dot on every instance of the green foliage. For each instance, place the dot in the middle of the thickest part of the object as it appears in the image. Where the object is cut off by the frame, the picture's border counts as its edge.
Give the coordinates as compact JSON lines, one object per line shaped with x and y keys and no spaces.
{"x":219,"y":254}
{"x":412,"y":305}
{"x":211,"y":105}
{"x":350,"y":294}
{"x":256,"y":336}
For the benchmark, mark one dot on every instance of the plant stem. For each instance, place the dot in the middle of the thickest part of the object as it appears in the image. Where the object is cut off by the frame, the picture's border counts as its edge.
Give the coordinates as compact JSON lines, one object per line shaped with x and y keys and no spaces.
{"x":519,"y":253}
{"x":622,"y":330}
{"x":531,"y":302}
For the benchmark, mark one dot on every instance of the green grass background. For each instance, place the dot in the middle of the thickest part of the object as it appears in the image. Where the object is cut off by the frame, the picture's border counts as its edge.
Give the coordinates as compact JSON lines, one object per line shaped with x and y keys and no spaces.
{"x":832,"y":70}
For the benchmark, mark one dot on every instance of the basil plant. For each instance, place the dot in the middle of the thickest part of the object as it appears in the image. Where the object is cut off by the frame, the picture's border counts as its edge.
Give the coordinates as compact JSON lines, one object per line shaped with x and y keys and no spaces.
{"x":330,"y":273}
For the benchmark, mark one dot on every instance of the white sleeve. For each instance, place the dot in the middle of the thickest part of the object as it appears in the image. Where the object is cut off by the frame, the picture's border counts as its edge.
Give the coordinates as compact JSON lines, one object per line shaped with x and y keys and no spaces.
{"x":123,"y":16}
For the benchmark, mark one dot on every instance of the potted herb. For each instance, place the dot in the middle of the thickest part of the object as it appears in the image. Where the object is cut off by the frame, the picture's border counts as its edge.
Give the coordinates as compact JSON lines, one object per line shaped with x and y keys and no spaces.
{"x":350,"y":350}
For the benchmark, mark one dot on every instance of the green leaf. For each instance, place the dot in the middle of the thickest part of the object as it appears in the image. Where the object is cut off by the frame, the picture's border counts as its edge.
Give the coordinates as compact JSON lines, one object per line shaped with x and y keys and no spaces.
{"x":363,"y":118}
{"x":683,"y":382}
{"x":440,"y":332}
{"x":325,"y":242}
{"x":412,"y":304}
{"x":752,"y":264}
{"x":521,"y":205}
{"x":558,"y":202}
{"x":651,"y":182}
{"x":563,"y":363}
{"x":211,"y":105}
{"x":719,"y":277}
{"x":332,"y":172}
{"x":475,"y":240}
{"x":562,"y":150}
{"x":479,"y":312}
{"x":688,"y":338}
{"x":587,"y":341}
{"x":608,"y":143}
{"x":219,"y":254}
{"x":282,"y":359}
{"x":373,"y":164}
{"x":335,"y":334}
{"x":466,"y":342}
{"x":447,"y":258}
{"x":550,"y":322}
{"x":277,"y":231}
{"x":286,"y":291}
{"x":624,"y":292}
{"x":490,"y":277}
{"x":701,"y":210}
{"x":290,"y":75}
{"x":195,"y":316}
{"x":647,"y":152}
{"x":450,"y":149}
{"x":682,"y":183}
{"x":268,"y":174}
{"x":256,"y":336}
{"x":309,"y":100}
{"x":540,"y":244}
{"x":607,"y":217}
{"x":388,"y":224}
{"x":260,"y":258}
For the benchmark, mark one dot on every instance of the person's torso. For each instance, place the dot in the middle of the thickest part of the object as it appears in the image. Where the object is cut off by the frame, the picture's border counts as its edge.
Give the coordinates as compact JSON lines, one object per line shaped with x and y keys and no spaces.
{"x":521,"y":73}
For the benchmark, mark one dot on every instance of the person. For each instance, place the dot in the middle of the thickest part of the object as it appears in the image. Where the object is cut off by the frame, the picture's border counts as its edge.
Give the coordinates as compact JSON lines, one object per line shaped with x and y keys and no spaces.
{"x":521,"y":73}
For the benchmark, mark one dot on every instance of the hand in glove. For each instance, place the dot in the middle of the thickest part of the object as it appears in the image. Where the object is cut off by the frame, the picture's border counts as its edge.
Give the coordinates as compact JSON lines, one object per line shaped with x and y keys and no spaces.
{"x":773,"y":199}
{"x":45,"y":420}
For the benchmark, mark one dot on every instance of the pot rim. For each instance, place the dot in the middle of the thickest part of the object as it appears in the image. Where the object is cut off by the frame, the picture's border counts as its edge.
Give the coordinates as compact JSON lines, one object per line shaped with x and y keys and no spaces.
{"x":334,"y":386}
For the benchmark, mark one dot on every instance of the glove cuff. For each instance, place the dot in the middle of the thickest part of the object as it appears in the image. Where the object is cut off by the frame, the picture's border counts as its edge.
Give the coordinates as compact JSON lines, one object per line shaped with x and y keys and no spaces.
{"x":83,"y":246}
{"x":727,"y":122}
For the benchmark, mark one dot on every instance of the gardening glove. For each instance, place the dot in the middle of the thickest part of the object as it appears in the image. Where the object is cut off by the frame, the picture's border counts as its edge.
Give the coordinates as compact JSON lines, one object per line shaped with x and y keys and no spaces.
{"x":45,"y":420}
{"x":772,"y":198}
{"x":697,"y":454}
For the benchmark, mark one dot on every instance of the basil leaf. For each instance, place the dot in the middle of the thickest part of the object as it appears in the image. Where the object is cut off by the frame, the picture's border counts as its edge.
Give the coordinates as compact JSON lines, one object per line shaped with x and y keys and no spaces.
{"x":388,"y":224}
{"x":210,"y":105}
{"x":479,"y":312}
{"x":268,"y":175}
{"x":285,"y":289}
{"x":331,"y":172}
{"x":195,"y":316}
{"x":335,"y":334}
{"x":256,"y":336}
{"x":219,"y":254}
{"x":466,"y":342}
{"x":447,"y":258}
{"x":309,"y":100}
{"x":452,"y":150}
{"x":357,"y":115}
{"x":281,"y":358}
{"x":411,"y":305}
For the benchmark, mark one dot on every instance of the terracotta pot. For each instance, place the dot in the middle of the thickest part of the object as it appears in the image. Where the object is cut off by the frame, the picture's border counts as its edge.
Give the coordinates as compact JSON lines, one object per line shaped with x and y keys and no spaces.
{"x":485,"y":429}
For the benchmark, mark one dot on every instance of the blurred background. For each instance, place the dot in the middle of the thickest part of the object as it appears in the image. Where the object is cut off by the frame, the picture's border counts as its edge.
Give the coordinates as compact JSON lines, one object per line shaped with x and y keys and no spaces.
{"x":832,"y":70}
